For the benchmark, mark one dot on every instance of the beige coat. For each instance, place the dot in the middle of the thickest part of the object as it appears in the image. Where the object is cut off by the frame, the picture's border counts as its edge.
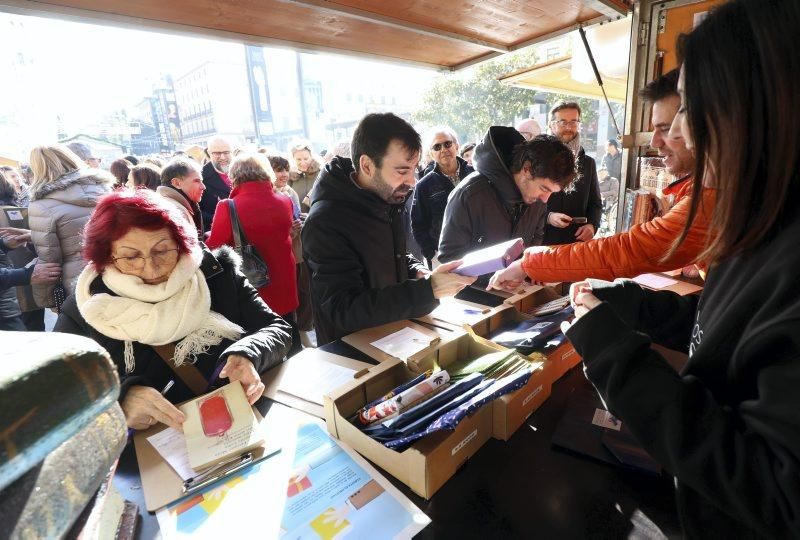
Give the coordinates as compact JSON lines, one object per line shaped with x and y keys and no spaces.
{"x":57,"y":214}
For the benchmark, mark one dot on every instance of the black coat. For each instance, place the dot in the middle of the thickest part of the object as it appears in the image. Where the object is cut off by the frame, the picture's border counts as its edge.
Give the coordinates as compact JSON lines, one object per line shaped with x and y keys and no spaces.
{"x":216,"y":190}
{"x":266,"y":341}
{"x":728,"y":425}
{"x":583,"y":201}
{"x":486,"y":208}
{"x":354,"y":244}
{"x":430,"y":200}
{"x":613,"y":164}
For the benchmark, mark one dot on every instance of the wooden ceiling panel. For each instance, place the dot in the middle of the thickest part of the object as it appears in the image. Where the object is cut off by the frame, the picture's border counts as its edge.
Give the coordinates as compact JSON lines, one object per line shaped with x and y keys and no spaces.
{"x":442,"y":33}
{"x":508,"y":22}
{"x":277,"y":20}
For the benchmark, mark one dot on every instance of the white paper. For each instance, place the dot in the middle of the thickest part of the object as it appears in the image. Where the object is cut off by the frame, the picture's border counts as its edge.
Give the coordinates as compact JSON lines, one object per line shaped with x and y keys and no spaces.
{"x":403,"y":343}
{"x":654,"y":281}
{"x":312,"y":384}
{"x":171,"y":444}
{"x":606,"y":419}
{"x":312,"y":487}
{"x":453,"y":311}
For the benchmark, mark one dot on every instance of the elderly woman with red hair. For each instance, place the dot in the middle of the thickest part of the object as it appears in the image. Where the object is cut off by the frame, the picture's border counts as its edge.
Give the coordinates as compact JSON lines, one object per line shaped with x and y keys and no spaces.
{"x":168,"y":309}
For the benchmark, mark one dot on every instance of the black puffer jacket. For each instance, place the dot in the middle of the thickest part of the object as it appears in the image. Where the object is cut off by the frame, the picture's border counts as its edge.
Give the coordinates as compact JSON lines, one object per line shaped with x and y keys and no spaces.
{"x":486,"y":208}
{"x":354,"y":243}
{"x":583,"y":200}
{"x":266,"y":341}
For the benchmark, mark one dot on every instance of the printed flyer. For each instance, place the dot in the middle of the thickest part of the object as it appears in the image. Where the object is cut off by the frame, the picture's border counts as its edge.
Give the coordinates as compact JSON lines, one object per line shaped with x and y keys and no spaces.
{"x":315,"y":488}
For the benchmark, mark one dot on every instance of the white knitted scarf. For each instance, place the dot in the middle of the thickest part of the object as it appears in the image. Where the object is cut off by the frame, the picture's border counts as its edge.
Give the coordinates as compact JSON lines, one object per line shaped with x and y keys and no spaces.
{"x":177,"y":310}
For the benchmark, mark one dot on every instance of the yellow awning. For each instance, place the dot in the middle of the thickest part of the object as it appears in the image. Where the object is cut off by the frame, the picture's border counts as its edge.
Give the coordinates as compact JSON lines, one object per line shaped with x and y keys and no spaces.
{"x":556,"y":76}
{"x":571,"y":73}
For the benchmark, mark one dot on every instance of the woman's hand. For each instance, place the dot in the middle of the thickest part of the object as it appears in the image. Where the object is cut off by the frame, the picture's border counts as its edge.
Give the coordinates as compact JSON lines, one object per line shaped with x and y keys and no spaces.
{"x":509,"y":278}
{"x":239,"y":368}
{"x":582,"y":298}
{"x":145,"y":406}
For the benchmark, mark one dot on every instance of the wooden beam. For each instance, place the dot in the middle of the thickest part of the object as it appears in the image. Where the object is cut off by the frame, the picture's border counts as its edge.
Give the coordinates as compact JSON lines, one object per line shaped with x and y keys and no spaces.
{"x":368,"y":16}
{"x":535,"y":41}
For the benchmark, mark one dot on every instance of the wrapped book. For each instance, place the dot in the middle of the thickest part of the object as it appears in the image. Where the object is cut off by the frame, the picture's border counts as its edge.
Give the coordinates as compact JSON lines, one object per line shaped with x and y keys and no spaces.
{"x":491,"y":259}
{"x":219,"y":426}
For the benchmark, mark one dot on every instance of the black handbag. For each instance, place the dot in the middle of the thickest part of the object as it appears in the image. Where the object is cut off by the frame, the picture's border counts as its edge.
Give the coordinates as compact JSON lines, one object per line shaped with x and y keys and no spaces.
{"x":253,"y":265}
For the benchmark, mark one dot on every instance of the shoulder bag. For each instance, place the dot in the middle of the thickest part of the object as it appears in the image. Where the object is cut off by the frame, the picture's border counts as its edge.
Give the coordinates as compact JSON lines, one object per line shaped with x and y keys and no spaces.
{"x":253,"y":265}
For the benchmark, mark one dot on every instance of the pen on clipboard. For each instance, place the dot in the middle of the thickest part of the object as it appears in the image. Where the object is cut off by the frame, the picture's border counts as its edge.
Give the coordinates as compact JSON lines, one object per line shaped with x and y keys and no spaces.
{"x":224,"y":470}
{"x":169,"y":385}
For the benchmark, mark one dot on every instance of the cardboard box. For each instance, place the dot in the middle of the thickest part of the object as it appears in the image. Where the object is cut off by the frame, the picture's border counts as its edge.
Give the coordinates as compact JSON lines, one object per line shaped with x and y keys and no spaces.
{"x":556,"y":362}
{"x":419,"y":362}
{"x":427,"y":464}
{"x":509,"y":412}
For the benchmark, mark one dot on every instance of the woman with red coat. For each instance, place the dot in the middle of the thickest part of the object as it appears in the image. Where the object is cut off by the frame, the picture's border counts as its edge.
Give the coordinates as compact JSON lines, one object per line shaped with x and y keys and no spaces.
{"x":266,"y":219}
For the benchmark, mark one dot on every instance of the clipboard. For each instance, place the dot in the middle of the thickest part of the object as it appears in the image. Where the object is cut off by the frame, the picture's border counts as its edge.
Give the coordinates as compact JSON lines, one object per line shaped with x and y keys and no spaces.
{"x":161,"y":485}
{"x":310,"y":361}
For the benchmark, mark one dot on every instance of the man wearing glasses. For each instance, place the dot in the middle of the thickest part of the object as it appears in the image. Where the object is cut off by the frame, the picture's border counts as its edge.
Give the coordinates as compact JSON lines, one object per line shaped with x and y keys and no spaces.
{"x":215,"y":177}
{"x":583,"y":201}
{"x":442,"y":174}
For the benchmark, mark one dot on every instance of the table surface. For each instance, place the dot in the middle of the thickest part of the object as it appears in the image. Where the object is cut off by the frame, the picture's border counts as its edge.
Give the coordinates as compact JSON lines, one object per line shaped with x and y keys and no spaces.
{"x":521,"y":488}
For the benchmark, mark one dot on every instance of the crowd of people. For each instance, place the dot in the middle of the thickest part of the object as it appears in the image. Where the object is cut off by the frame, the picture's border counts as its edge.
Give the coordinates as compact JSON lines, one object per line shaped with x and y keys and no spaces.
{"x":149,"y":259}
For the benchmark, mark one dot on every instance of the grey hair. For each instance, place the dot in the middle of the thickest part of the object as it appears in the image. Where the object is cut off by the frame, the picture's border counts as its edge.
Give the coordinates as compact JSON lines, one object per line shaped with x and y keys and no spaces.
{"x":81,"y":150}
{"x":247,"y":167}
{"x":440,"y":130}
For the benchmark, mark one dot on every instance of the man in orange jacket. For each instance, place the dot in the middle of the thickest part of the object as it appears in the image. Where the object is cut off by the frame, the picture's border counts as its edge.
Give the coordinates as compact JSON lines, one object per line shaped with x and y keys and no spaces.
{"x":643,"y":247}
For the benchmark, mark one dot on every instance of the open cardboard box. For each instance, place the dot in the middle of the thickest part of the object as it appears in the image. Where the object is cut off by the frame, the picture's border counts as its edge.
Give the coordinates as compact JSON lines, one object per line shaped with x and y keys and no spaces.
{"x":510,"y":411}
{"x":427,"y":464}
{"x":556,"y":361}
{"x":419,"y":362}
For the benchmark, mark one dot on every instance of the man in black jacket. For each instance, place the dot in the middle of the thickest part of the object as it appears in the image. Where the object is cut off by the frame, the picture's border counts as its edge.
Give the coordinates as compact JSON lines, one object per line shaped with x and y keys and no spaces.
{"x":443,"y":173}
{"x":215,"y":177}
{"x":507,"y":197}
{"x":584,"y":200}
{"x":354,"y":240}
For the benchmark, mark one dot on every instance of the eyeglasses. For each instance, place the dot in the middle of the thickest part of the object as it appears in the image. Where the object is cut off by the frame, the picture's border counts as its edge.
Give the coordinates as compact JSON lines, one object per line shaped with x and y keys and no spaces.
{"x":162,"y":257}
{"x":438,"y":146}
{"x":570,"y":123}
{"x":221,"y":154}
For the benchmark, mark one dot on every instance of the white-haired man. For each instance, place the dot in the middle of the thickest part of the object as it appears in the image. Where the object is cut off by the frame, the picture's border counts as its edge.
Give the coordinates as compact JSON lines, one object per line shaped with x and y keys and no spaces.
{"x":529,"y":128}
{"x":442,"y":174}
{"x":215,"y":177}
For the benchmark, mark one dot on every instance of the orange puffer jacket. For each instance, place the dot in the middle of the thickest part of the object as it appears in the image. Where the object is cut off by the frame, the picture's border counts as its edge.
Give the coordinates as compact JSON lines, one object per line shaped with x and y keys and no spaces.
{"x":637,"y":251}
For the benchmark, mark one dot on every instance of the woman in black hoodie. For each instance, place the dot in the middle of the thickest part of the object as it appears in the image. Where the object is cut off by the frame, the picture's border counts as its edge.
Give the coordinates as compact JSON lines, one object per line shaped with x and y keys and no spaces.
{"x":728,"y":426}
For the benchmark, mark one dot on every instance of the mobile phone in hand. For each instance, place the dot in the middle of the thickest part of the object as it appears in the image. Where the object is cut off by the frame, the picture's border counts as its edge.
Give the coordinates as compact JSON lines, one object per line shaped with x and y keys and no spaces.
{"x":580,"y":220}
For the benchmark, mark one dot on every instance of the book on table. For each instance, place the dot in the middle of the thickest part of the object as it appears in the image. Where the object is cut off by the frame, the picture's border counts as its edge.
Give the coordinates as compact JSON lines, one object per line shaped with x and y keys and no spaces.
{"x":220,"y":426}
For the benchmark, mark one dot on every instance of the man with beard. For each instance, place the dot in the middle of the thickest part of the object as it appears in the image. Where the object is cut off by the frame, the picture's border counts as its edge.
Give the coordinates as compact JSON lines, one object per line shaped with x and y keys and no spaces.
{"x":215,"y":177}
{"x":584,"y":200}
{"x":645,"y":247}
{"x":354,"y":239}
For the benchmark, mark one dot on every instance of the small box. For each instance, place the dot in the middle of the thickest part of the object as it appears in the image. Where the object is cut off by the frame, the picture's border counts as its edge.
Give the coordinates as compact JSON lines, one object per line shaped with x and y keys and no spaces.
{"x":530,"y":296}
{"x":427,"y":464}
{"x":556,"y":362}
{"x":509,"y":412}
